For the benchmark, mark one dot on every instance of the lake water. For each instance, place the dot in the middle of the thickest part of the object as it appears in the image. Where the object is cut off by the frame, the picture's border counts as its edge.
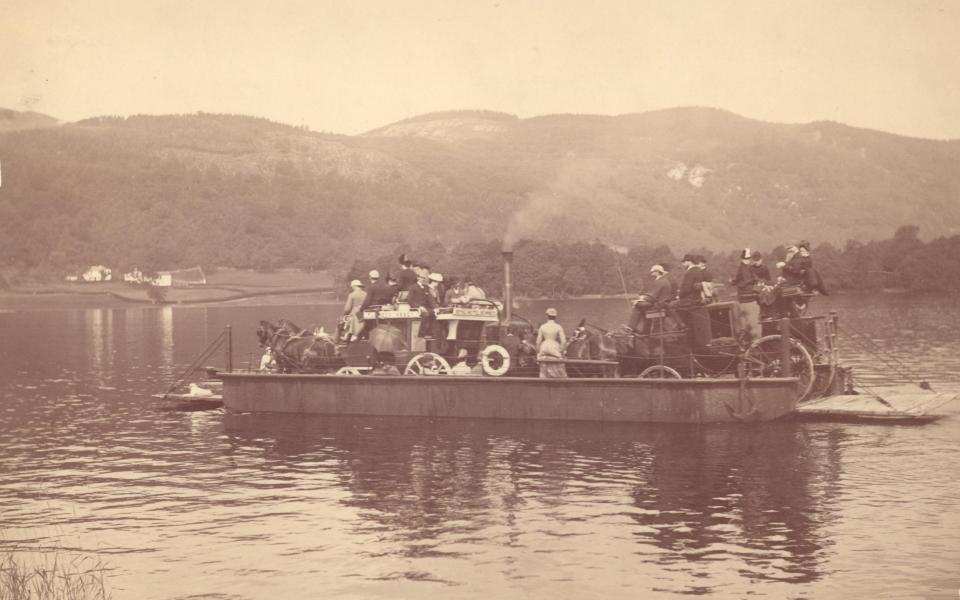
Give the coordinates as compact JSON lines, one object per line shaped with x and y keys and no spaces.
{"x":214,"y":505}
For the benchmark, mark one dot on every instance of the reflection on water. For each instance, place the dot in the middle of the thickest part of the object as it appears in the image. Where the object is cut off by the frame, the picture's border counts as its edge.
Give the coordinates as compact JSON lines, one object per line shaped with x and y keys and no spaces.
{"x":674,"y":509}
{"x":165,"y":316}
{"x":268,"y":506}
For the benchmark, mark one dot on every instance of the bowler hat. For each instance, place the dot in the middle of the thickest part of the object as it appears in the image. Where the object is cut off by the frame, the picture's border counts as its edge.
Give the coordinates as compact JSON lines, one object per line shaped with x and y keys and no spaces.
{"x":689,"y":258}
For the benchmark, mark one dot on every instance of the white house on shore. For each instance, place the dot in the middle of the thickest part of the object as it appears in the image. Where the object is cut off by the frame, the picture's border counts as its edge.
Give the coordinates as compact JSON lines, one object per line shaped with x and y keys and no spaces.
{"x":97,"y":273}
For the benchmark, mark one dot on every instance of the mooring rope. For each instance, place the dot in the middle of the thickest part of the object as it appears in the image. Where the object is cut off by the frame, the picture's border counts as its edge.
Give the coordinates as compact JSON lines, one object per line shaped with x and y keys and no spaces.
{"x":886,"y":358}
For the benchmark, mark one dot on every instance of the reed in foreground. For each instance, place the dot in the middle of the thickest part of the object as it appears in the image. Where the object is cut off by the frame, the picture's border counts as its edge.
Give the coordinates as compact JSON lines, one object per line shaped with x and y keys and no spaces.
{"x":53,"y":578}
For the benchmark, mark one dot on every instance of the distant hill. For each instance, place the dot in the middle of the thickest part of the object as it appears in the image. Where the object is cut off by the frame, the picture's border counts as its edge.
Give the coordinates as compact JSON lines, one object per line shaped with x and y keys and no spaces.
{"x":12,"y":120}
{"x":163,"y":191}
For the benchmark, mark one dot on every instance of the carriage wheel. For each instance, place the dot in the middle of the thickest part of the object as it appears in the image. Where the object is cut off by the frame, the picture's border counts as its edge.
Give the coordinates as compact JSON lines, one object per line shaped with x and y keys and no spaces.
{"x":763,"y":359}
{"x":427,"y":363}
{"x":659,"y":372}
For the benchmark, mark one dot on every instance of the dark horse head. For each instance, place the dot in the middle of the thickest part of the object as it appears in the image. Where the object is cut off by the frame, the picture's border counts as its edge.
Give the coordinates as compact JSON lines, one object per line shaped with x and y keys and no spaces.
{"x":589,"y":342}
{"x":266,"y":333}
{"x":298,"y":351}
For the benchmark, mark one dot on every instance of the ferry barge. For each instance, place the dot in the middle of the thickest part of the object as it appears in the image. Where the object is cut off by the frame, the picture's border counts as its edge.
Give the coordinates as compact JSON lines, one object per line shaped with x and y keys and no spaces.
{"x":716,"y":382}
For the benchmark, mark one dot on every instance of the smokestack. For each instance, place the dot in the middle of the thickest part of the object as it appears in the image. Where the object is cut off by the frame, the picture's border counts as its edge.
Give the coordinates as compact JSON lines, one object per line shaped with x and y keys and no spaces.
{"x":507,"y":281}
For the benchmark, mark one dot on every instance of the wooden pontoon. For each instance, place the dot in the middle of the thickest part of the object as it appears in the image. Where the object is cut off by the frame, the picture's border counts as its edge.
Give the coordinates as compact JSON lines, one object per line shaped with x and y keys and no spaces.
{"x":700,"y":400}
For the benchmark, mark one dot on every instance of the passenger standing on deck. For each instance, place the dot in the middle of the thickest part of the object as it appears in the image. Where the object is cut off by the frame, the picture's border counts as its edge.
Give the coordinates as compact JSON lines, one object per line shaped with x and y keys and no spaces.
{"x":794,"y":266}
{"x":378,"y":294}
{"x":746,"y":281}
{"x":707,"y":290}
{"x":421,"y":298}
{"x":407,"y":277}
{"x":812,"y":282}
{"x":689,"y":293}
{"x":268,"y":361}
{"x":436,"y":288}
{"x":551,"y":341}
{"x":351,"y":310}
{"x":796,"y":271}
{"x":760,"y":270}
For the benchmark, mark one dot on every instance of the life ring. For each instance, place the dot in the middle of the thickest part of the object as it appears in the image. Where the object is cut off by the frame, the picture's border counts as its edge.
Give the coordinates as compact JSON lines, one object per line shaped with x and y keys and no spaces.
{"x":504,"y":359}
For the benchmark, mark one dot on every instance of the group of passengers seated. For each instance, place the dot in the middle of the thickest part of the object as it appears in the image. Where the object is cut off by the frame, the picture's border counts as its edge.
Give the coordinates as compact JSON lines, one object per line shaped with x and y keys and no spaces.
{"x":759,"y":296}
{"x":416,"y":285}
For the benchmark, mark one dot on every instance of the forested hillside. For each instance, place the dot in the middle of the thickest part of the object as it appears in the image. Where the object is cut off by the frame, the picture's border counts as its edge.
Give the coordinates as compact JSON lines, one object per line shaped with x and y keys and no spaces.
{"x":222,"y":190}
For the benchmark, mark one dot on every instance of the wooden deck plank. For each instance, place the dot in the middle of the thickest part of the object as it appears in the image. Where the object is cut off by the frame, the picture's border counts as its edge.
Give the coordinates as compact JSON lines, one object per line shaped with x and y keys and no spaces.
{"x":900,"y":405}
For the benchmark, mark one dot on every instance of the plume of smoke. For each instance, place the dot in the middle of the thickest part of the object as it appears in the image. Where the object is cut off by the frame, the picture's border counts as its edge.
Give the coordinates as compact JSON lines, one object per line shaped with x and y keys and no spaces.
{"x":538,"y":209}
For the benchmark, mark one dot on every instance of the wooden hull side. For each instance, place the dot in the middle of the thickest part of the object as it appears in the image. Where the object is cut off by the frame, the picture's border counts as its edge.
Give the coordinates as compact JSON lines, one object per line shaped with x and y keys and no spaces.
{"x":607,"y":400}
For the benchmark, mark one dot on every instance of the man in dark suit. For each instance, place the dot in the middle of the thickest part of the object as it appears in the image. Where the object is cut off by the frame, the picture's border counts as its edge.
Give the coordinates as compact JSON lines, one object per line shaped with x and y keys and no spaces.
{"x":407,"y":277}
{"x":689,"y":296}
{"x":378,"y":294}
{"x":420,"y":297}
{"x":689,"y":293}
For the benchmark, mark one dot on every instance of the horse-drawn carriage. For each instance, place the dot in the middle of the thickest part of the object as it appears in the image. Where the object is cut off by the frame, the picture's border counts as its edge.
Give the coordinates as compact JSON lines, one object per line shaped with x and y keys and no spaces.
{"x":472,"y":333}
{"x":708,"y":341}
{"x":463,"y":339}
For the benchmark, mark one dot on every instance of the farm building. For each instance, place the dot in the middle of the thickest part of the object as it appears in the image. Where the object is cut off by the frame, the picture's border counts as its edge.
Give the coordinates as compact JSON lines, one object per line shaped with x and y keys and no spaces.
{"x":181,"y":278}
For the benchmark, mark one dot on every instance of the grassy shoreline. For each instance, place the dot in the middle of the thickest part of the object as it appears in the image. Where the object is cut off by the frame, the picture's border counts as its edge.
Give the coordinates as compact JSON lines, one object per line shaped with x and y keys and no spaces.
{"x":226,"y":285}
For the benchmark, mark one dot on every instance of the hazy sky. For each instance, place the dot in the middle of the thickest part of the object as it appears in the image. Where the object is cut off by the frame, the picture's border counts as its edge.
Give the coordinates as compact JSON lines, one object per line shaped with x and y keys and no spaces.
{"x":353,"y":65}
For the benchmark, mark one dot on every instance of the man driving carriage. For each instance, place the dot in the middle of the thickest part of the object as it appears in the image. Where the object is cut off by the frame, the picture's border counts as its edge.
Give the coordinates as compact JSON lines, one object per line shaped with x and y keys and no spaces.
{"x":662,"y":291}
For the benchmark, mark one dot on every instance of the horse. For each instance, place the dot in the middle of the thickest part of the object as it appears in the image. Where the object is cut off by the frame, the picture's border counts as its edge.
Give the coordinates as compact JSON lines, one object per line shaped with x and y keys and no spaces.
{"x":297,"y":350}
{"x":589,"y":342}
{"x":634,"y":351}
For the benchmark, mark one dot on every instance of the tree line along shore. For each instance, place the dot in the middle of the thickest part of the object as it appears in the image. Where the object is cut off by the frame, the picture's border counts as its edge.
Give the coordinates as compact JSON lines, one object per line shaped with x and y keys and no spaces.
{"x":556,"y":269}
{"x":542,"y":269}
